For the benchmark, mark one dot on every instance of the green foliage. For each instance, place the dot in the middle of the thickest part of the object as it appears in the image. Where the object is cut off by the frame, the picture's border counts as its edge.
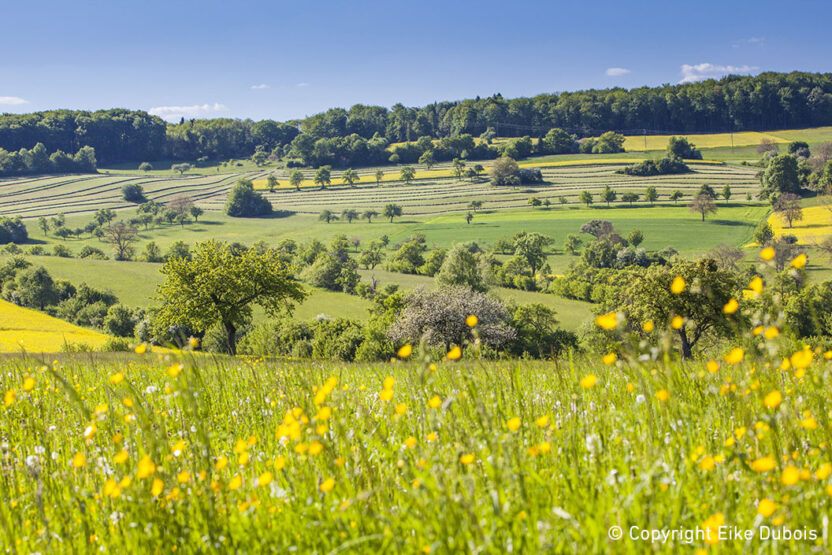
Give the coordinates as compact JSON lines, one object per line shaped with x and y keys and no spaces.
{"x":244,"y":202}
{"x":218,"y":285}
{"x":781,"y":176}
{"x":679,"y":147}
{"x":505,"y":172}
{"x":12,"y":230}
{"x":133,"y":192}
{"x":462,"y":267}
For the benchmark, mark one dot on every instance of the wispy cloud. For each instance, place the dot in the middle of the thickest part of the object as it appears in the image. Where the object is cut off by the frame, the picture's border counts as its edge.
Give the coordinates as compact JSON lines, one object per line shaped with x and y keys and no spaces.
{"x":617,"y":71}
{"x":173,"y":113}
{"x":698,"y":72}
{"x":260,"y":86}
{"x":302,"y":84}
{"x":12,"y":101}
{"x":753,"y":41}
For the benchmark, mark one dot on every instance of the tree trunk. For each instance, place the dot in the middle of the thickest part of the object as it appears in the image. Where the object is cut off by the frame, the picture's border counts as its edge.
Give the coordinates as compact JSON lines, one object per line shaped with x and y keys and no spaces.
{"x":231,"y":338}
{"x":686,"y":347}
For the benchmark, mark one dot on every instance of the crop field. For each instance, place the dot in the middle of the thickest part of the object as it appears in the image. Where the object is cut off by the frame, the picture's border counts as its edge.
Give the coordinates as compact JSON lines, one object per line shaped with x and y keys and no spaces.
{"x":227,"y":455}
{"x":22,"y":329}
{"x":815,"y":226}
{"x":75,"y":194}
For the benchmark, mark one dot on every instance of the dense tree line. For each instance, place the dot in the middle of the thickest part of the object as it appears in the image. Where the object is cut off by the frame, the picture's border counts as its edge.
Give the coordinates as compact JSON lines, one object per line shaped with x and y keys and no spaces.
{"x":37,"y":160}
{"x":362,"y":133}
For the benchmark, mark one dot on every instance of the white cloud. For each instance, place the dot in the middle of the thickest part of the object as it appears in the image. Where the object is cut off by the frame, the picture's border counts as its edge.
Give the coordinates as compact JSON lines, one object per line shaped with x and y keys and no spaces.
{"x":617,"y":71}
{"x":755,"y":41}
{"x":173,"y":113}
{"x":12,"y":101}
{"x":303,"y":84}
{"x":260,"y":86}
{"x":698,"y":72}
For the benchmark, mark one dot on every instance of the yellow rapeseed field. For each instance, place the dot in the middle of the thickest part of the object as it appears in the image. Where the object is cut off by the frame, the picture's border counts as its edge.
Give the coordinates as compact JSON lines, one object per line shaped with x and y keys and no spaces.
{"x":709,"y":140}
{"x":815,"y":226}
{"x":35,"y":332}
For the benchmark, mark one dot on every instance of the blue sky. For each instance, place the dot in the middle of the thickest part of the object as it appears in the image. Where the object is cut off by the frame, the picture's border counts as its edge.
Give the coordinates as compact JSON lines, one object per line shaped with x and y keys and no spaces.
{"x":281,"y":60}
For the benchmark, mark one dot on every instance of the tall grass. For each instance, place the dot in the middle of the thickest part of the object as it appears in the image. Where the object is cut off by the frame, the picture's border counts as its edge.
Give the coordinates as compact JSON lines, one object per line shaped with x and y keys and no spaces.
{"x":466,"y":456}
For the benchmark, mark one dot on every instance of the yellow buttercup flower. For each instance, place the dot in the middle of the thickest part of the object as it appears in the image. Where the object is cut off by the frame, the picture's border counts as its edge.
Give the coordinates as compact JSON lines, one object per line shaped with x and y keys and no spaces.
{"x":221,"y":463}
{"x":146,"y":467}
{"x":543,"y":421}
{"x":677,"y":285}
{"x":264,"y":479}
{"x":466,"y":459}
{"x":823,"y":471}
{"x":327,"y":485}
{"x":712,"y":366}
{"x":771,"y":332}
{"x":513,"y":424}
{"x":799,"y":261}
{"x":756,"y":285}
{"x":410,"y":442}
{"x":385,"y":394}
{"x":588,"y":381}
{"x":773,"y":399}
{"x":662,"y":395}
{"x":471,"y":321}
{"x":121,"y":457}
{"x":766,"y":507}
{"x":157,"y":487}
{"x":117,"y":378}
{"x":405,"y":351}
{"x":790,"y":476}
{"x":607,"y":321}
{"x":802,"y":359}
{"x":731,"y":306}
{"x":763,"y":464}
{"x":401,"y":408}
{"x":235,"y":483}
{"x":648,"y":326}
{"x":141,"y":349}
{"x":79,"y":460}
{"x":434,"y":402}
{"x":677,"y":322}
{"x":735,"y":356}
{"x":767,"y":253}
{"x":455,"y":353}
{"x":610,"y":358}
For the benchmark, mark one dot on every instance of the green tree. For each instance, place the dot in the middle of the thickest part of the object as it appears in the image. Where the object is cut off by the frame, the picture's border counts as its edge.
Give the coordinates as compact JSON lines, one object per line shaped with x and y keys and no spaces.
{"x":726,"y":192}
{"x":572,"y":244}
{"x":586,"y":198}
{"x":323,"y":176}
{"x":462,"y":267}
{"x":635,"y":237}
{"x":459,"y":168}
{"x":350,"y":177}
{"x":43,"y":223}
{"x":534,"y":202}
{"x":427,"y":159}
{"x":119,"y":321}
{"x":391,"y":211}
{"x":629,"y":198}
{"x":531,"y":247}
{"x":781,"y":176}
{"x":651,"y":195}
{"x":675,"y":196}
{"x":608,"y":195}
{"x":372,"y":256}
{"x":505,"y":172}
{"x":196,"y":212}
{"x":379,"y":176}
{"x":763,"y":234}
{"x":295,"y":179}
{"x":558,"y":141}
{"x":407,"y":174}
{"x":468,"y":217}
{"x":219,"y":285}
{"x":369,"y":215}
{"x":646,"y":296}
{"x":271,"y":182}
{"x":259,"y":158}
{"x":152,"y":252}
{"x":146,"y":167}
{"x":181,"y":168}
{"x":244,"y":202}
{"x":475,"y":205}
{"x":349,"y":214}
{"x":327,"y":216}
{"x":35,"y":288}
{"x":537,"y":332}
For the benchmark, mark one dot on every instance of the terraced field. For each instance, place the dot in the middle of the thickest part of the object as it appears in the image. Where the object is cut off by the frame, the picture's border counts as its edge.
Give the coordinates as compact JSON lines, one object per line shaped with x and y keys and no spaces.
{"x":75,"y":194}
{"x":438,"y":192}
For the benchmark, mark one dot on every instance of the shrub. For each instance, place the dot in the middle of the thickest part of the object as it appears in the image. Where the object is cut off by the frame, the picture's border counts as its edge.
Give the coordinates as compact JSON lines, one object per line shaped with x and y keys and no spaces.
{"x":13,"y":230}
{"x":91,"y":252}
{"x":244,"y":202}
{"x":133,"y":193}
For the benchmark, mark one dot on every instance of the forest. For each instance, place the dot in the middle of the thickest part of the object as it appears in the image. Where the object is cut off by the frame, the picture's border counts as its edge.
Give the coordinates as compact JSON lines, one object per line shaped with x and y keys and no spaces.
{"x":734,"y":103}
